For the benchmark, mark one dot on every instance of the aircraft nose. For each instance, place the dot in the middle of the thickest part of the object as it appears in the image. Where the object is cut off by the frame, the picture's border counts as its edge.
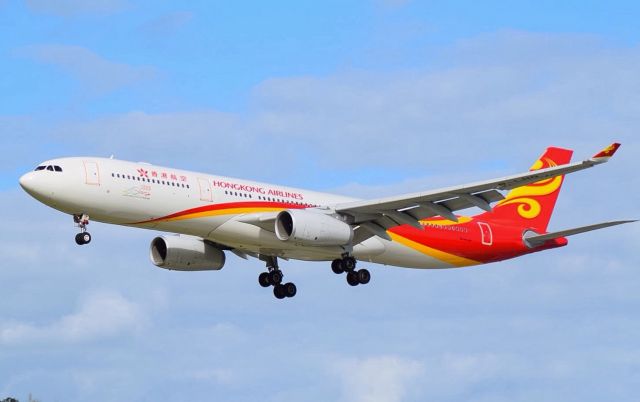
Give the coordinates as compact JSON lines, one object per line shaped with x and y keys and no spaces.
{"x":28,"y":183}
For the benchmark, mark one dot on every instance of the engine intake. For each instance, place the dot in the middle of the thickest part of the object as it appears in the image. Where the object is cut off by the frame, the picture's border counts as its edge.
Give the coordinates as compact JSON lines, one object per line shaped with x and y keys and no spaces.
{"x":312,"y":229}
{"x":185,"y":254}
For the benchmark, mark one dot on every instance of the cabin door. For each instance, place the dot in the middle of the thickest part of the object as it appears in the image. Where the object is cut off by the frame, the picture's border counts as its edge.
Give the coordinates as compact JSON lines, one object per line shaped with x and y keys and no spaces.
{"x":92,"y":173}
{"x":205,"y":190}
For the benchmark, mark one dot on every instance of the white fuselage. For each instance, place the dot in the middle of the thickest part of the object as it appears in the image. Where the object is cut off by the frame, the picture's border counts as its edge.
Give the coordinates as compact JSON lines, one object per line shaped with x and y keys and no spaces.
{"x":147,"y":196}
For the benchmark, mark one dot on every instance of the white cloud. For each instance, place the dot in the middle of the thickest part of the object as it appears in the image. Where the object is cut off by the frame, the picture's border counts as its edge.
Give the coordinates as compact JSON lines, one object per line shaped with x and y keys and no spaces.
{"x":67,"y":8}
{"x":511,"y":88}
{"x":94,"y":71}
{"x":157,"y":132}
{"x":101,"y":315}
{"x":501,"y":96}
{"x":206,"y":139}
{"x":378,"y":379}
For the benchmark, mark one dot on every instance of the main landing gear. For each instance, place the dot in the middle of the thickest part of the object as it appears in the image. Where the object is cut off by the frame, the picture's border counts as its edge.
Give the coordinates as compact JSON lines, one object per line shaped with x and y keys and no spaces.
{"x":348,"y":264}
{"x":81,"y":221}
{"x":273,"y":277}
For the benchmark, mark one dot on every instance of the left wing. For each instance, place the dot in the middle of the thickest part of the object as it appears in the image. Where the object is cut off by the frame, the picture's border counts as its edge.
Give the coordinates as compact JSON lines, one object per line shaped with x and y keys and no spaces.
{"x":378,"y":215}
{"x":533,"y":240}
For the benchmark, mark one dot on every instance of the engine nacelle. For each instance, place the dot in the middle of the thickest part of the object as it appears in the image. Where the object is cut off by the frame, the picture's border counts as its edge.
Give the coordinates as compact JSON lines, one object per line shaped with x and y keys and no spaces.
{"x":185,"y":254}
{"x":312,"y":229}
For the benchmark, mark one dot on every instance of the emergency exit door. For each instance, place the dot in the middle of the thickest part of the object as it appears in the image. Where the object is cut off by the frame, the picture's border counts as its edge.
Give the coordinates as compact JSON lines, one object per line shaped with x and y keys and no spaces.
{"x":485,"y":233}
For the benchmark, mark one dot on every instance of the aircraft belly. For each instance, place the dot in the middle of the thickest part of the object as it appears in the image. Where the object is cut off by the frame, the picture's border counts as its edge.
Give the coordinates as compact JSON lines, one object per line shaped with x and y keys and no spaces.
{"x":251,"y":238}
{"x":399,"y":255}
{"x":254,"y":239}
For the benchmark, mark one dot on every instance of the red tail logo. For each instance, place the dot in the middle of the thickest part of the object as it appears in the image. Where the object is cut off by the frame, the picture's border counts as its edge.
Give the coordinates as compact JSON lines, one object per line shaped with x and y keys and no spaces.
{"x":532,"y":205}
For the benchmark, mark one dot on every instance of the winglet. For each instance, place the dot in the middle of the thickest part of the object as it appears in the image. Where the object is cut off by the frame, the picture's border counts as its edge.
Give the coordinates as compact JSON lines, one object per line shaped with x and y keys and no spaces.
{"x":606,"y":153}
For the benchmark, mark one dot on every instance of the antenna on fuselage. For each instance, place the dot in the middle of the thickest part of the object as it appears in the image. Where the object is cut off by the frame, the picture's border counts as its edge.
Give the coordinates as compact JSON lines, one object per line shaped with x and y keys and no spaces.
{"x":111,"y":157}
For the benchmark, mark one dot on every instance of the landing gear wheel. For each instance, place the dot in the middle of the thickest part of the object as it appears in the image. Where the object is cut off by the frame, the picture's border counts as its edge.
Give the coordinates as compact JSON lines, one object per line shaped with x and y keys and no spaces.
{"x":81,"y":221}
{"x":352,"y":278}
{"x":83,"y":238}
{"x":337,"y":266}
{"x":263,"y":280}
{"x":290,"y":289}
{"x":279,"y":291}
{"x":364,"y":276}
{"x":275,"y":277}
{"x":349,"y":264}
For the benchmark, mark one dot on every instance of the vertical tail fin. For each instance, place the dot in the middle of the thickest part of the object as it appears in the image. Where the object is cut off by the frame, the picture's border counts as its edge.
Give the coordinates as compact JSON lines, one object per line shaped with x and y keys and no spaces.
{"x":532,"y":205}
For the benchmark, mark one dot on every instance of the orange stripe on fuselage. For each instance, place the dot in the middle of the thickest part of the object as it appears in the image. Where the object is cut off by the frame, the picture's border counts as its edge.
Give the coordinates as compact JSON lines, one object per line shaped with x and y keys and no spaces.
{"x":231,"y":208}
{"x":443,"y":256}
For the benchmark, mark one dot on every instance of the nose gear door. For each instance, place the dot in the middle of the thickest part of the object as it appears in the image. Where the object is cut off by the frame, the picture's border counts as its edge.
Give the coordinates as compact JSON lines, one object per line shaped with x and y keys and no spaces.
{"x":92,"y":173}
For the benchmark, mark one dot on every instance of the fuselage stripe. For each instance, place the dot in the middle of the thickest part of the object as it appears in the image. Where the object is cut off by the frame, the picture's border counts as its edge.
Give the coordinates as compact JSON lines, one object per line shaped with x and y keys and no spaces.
{"x":448,"y":258}
{"x":231,"y":208}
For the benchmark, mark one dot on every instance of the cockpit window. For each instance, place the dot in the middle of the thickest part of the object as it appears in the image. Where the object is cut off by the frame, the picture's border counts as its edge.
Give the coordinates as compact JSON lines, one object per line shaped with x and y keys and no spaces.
{"x":51,"y":168}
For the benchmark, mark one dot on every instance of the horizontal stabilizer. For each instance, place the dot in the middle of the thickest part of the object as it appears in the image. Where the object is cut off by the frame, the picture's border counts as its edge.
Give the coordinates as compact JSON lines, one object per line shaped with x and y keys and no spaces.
{"x":535,"y":240}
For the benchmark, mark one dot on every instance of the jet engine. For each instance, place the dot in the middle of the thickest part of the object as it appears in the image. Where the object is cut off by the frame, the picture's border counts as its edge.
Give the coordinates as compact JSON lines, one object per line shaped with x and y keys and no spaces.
{"x":312,"y":229}
{"x":183,"y":253}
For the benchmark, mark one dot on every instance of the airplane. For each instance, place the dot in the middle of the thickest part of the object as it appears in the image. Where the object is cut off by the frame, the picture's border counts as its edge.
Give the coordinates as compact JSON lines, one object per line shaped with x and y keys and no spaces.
{"x":212,"y":215}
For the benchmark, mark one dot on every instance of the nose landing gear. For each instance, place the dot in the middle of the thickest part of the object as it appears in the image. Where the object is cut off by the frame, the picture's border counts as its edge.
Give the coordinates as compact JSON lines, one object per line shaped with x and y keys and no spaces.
{"x":348,"y":264}
{"x":81,"y":221}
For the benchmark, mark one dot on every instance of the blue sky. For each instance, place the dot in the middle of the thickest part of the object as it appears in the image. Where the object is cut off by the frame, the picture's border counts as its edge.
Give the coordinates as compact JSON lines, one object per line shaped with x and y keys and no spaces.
{"x":365,"y":98}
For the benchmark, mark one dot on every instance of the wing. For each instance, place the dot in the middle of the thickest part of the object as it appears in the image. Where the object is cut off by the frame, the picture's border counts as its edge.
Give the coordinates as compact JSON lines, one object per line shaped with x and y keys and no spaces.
{"x":376,"y":216}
